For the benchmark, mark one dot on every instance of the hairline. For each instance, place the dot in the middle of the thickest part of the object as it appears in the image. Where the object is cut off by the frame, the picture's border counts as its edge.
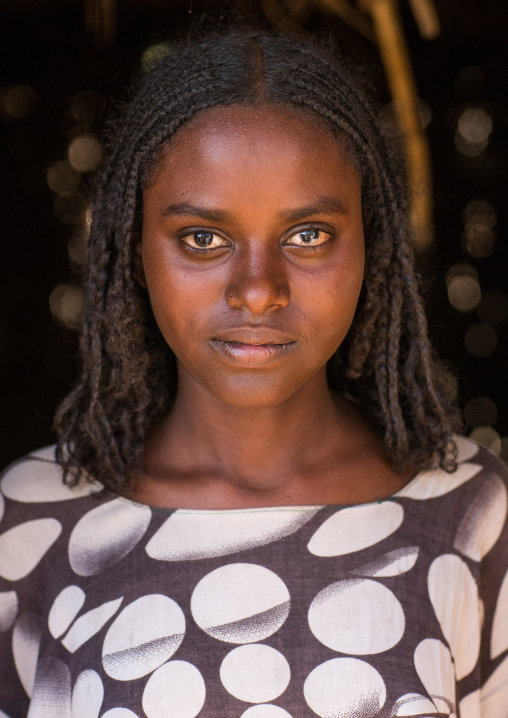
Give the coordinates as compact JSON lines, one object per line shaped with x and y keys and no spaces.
{"x":150,"y":165}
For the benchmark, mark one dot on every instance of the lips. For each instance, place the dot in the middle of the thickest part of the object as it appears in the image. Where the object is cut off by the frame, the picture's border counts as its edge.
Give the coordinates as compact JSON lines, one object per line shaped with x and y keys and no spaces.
{"x":254,"y":336}
{"x":253,"y":346}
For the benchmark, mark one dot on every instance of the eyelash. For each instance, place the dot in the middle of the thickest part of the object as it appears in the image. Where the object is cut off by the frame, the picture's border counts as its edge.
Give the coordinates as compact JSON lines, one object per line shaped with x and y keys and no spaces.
{"x":311,"y":228}
{"x":199,"y":250}
{"x":308,"y":228}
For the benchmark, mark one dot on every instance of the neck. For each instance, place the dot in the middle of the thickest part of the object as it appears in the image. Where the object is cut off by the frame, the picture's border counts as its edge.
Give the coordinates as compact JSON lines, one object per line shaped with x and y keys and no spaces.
{"x":250,"y":451}
{"x":314,"y":448}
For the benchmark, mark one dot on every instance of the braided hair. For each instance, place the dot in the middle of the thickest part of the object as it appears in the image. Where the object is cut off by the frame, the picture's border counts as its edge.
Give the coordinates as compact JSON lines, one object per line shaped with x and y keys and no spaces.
{"x":128,"y":373}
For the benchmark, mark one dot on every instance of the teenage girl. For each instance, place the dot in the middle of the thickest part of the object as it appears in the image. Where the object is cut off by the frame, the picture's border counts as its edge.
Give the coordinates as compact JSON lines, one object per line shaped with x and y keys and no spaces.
{"x":257,"y":506}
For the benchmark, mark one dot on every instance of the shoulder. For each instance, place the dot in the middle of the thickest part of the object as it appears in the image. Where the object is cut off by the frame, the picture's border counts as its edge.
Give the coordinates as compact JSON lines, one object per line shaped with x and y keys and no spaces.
{"x":470,"y":451}
{"x":33,"y":484}
{"x":483,"y":526}
{"x":489,"y":471}
{"x":35,"y":508}
{"x":473,"y":462}
{"x":468,"y":505}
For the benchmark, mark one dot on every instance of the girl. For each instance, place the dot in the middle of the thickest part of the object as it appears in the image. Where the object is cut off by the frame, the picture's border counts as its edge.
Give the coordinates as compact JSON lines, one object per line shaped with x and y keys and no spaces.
{"x":257,"y":506}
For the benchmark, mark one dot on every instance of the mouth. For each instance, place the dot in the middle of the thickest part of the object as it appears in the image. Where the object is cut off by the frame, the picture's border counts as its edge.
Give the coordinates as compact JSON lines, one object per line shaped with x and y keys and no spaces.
{"x":253,"y":352}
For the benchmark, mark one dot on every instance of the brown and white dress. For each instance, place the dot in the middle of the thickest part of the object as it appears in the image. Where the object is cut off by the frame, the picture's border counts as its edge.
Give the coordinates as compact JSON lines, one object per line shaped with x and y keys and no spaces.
{"x":113,"y":609}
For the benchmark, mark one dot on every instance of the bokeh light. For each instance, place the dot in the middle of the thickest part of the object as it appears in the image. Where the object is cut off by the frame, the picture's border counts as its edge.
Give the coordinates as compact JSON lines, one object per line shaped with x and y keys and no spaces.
{"x":473,"y":131}
{"x":480,"y":340}
{"x":478,"y":241}
{"x":62,"y":177}
{"x":84,"y":153}
{"x":18,"y":102}
{"x":479,"y":211}
{"x":66,"y":305}
{"x":493,"y":307}
{"x":488,"y":437}
{"x":464,"y":292}
{"x":87,"y":106}
{"x":475,"y":125}
{"x":480,"y":411}
{"x":70,"y":208}
{"x":389,"y":121}
{"x":153,"y":54}
{"x":479,"y":218}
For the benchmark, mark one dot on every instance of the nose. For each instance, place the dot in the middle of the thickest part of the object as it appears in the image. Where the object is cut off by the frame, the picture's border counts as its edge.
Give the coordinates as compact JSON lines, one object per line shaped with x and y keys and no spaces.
{"x":258,"y":283}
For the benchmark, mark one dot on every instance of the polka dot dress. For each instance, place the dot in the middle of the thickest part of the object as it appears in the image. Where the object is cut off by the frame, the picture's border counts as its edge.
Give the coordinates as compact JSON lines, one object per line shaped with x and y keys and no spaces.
{"x":112,"y":609}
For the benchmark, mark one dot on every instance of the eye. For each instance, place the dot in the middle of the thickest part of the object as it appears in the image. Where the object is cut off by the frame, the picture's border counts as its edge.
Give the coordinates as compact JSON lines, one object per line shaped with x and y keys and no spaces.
{"x":203,"y":239}
{"x":311,"y":237}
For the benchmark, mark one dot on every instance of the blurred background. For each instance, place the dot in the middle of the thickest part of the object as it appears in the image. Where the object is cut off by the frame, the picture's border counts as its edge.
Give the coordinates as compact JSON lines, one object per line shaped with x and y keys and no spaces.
{"x":64,"y":62}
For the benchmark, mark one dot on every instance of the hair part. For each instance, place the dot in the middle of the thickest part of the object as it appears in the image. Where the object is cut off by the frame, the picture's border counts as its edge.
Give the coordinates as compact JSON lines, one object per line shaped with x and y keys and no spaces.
{"x":128,"y":373}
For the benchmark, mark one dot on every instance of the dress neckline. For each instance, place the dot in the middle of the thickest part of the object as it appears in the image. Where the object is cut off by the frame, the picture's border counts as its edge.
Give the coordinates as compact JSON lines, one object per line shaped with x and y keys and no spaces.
{"x":260,"y":509}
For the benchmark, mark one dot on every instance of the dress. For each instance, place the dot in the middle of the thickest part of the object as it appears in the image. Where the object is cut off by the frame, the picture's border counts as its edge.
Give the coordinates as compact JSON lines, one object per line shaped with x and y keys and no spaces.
{"x":113,"y":609}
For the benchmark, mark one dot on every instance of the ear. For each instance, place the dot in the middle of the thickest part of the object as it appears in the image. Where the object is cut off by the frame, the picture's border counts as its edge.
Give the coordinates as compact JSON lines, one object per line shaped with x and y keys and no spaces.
{"x":137,"y":265}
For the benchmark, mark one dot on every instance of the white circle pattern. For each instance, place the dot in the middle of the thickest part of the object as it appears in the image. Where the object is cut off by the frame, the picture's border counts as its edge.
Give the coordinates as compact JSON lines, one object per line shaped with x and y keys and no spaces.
{"x":240,"y":603}
{"x":355,"y":528}
{"x":357,"y":617}
{"x":87,"y":695}
{"x":105,"y":535}
{"x":175,"y":690}
{"x":255,"y":673}
{"x":64,"y":610}
{"x":145,"y":634}
{"x":188,"y":536}
{"x":345,"y":688}
{"x":265,"y":710}
{"x":434,"y":665}
{"x":450,"y":576}
{"x":26,"y":638}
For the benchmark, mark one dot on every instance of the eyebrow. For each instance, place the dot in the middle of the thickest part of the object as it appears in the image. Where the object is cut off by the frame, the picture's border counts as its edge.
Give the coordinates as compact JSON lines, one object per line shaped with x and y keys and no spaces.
{"x":324,"y":205}
{"x":212,"y":215}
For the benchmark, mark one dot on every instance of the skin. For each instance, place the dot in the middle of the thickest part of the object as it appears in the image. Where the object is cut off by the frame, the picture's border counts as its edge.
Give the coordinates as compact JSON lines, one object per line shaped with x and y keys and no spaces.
{"x":252,"y":252}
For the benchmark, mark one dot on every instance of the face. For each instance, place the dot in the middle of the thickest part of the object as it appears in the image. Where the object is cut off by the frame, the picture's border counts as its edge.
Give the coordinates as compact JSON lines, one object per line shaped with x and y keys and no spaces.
{"x":252,"y":252}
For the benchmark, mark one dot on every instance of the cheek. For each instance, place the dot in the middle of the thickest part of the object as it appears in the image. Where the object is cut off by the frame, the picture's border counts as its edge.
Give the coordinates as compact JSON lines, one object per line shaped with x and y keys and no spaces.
{"x":174,"y":312}
{"x":335,"y":297}
{"x":181,"y":301}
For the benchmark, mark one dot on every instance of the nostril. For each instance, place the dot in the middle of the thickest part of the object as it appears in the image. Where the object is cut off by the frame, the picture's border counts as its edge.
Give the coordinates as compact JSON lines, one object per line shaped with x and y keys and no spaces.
{"x":258,"y":294}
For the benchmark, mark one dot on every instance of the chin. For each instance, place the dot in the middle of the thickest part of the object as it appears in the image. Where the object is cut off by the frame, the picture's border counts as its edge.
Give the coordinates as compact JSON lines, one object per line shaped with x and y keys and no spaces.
{"x":254,"y":395}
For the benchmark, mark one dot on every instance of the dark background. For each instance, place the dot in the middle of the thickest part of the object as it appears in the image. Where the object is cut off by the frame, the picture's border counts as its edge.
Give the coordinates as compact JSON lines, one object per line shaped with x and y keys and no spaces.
{"x":54,"y":78}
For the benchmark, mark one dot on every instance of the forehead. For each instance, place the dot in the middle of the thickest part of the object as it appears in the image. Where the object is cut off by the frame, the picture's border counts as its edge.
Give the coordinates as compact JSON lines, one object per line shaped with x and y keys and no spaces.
{"x":227,"y":132}
{"x":253,"y":157}
{"x":244,"y":119}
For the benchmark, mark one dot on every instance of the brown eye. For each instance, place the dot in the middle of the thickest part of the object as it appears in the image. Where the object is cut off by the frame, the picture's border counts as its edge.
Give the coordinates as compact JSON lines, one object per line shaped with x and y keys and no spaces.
{"x":204,"y":239}
{"x":309,"y":235}
{"x":312,"y":237}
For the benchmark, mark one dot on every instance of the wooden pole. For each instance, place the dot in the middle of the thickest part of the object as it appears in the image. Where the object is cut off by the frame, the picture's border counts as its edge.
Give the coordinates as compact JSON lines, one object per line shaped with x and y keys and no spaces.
{"x":100,"y":19}
{"x":395,"y":56}
{"x":426,"y":18}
